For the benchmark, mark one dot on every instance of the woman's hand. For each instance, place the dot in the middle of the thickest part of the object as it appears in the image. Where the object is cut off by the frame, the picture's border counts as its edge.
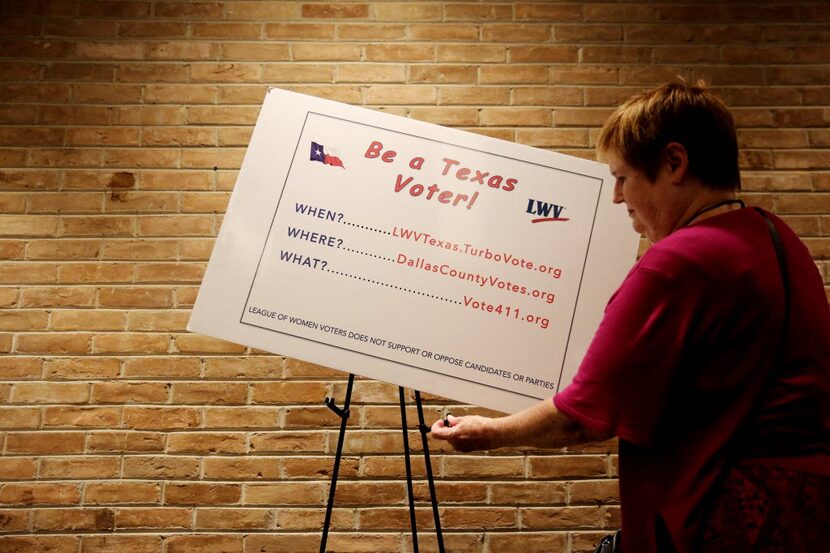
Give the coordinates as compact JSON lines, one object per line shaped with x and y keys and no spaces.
{"x":540,"y":425}
{"x":470,"y":433}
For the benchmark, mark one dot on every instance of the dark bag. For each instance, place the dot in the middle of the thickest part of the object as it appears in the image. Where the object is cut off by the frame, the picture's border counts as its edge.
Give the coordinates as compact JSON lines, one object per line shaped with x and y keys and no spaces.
{"x":745,"y":501}
{"x":609,"y":544}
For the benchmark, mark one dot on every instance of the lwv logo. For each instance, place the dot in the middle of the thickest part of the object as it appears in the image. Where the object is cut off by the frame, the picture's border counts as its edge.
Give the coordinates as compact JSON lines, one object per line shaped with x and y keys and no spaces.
{"x":545,"y":211}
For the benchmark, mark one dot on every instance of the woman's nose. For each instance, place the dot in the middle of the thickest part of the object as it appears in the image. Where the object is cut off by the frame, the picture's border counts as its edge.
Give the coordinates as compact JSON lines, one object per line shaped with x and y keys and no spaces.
{"x":618,"y":193}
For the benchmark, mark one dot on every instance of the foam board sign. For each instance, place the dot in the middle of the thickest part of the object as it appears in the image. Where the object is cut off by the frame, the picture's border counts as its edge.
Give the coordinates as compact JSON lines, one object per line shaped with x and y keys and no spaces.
{"x":432,"y":258}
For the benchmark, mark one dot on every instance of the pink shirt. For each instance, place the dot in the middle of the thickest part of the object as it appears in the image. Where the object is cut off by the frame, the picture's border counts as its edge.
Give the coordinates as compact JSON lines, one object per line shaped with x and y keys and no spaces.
{"x":681,"y":357}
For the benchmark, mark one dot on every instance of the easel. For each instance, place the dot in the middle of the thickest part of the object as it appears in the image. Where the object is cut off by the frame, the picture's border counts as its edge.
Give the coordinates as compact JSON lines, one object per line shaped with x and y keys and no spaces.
{"x":424,"y":430}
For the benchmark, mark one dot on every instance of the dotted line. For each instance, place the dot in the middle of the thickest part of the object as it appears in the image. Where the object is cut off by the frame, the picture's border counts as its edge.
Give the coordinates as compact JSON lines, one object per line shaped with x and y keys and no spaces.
{"x":367,"y":228}
{"x":416,"y":292}
{"x":368,"y":254}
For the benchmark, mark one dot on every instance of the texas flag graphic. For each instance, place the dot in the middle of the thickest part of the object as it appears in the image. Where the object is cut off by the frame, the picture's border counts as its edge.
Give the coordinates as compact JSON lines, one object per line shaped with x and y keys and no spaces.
{"x":317,"y":154}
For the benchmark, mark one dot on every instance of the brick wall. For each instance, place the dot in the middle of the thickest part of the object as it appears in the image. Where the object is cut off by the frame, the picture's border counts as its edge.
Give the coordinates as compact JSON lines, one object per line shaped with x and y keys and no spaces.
{"x":122,"y":126}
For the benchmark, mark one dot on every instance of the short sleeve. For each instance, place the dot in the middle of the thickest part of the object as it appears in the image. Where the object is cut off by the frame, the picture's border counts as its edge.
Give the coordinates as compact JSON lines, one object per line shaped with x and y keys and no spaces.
{"x":623,"y":384}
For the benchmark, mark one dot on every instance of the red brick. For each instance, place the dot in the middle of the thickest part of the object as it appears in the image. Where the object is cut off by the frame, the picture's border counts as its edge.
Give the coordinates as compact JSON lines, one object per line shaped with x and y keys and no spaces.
{"x":179,"y":50}
{"x":209,"y":393}
{"x":80,"y":468}
{"x":304,"y":417}
{"x":291,"y":441}
{"x":162,"y":418}
{"x":127,"y":343}
{"x":594,"y":491}
{"x":121,"y":492}
{"x":284,"y":493}
{"x":479,"y":517}
{"x":125,"y":249}
{"x":224,"y":72}
{"x":234,"y":31}
{"x":16,"y":520}
{"x":39,"y":544}
{"x":16,"y":136}
{"x":293,"y":519}
{"x":77,"y":320}
{"x":28,"y":225}
{"x":440,"y":31}
{"x":149,"y":518}
{"x":151,"y":297}
{"x":40,"y":494}
{"x":125,"y":441}
{"x":191,"y":343}
{"x":241,"y":417}
{"x":19,"y":368}
{"x":19,"y":418}
{"x":28,"y":320}
{"x":158,"y":321}
{"x":81,"y":417}
{"x":289,"y":392}
{"x":248,"y":468}
{"x":81,"y":368}
{"x":442,"y":74}
{"x":201,"y":494}
{"x":234,"y":519}
{"x":99,"y":273}
{"x":320,"y":467}
{"x":49,"y":343}
{"x":294,"y":368}
{"x":207,"y":443}
{"x":98,"y":226}
{"x":527,"y":542}
{"x":204,"y":544}
{"x":11,"y":249}
{"x":448,"y":116}
{"x":211,"y":202}
{"x":117,"y":544}
{"x":161,"y":367}
{"x":372,"y":31}
{"x":73,"y":519}
{"x":161,"y":467}
{"x":130,"y":392}
{"x":395,"y":518}
{"x":365,"y":492}
{"x":79,"y":27}
{"x":559,"y":518}
{"x":335,"y":11}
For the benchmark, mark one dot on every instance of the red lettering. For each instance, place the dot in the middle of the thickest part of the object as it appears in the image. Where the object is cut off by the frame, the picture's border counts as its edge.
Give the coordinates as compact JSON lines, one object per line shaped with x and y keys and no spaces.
{"x":400,"y":184}
{"x":449,"y":163}
{"x":479,"y":177}
{"x":432,"y":190}
{"x":375,"y":149}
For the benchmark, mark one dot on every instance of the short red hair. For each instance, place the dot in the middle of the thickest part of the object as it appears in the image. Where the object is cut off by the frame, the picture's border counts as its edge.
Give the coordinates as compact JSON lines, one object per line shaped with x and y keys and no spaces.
{"x":690,"y":115}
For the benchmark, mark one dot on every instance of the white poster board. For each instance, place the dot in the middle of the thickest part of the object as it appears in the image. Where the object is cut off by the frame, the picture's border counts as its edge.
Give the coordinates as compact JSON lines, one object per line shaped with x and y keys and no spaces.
{"x":431,"y":258}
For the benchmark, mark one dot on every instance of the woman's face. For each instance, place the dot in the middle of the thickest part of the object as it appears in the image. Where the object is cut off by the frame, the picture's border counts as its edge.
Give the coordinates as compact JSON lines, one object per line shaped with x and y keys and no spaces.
{"x":649,"y":203}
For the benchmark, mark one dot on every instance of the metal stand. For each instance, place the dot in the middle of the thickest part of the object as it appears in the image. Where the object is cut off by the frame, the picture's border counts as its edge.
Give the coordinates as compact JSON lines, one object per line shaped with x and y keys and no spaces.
{"x":424,"y":430}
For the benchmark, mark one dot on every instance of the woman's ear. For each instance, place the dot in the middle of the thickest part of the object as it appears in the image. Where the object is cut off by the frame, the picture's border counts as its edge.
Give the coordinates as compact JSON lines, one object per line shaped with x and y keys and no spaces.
{"x":677,"y":160}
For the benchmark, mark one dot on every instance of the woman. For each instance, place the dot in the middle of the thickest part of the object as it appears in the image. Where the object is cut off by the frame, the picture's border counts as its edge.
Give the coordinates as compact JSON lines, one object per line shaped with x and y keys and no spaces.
{"x":720,"y":400}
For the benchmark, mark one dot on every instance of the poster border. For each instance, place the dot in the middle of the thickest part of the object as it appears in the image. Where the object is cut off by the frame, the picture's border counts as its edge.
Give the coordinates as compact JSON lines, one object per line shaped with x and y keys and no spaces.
{"x":444,"y":142}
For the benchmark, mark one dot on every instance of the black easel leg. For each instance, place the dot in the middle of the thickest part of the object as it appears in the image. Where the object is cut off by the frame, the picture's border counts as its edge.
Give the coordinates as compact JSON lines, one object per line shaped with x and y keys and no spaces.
{"x":408,"y":473}
{"x":344,"y":418}
{"x":424,"y":431}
